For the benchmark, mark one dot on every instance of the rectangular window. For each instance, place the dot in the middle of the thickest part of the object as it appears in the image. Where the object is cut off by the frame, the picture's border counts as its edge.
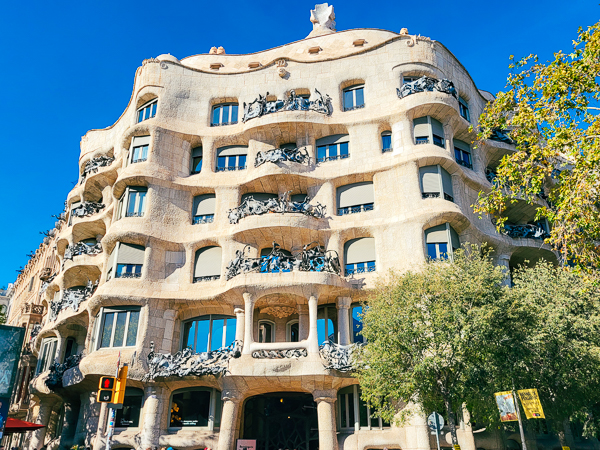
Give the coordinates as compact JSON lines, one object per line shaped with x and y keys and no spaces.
{"x":226,"y":114}
{"x":129,"y":271}
{"x":386,"y":142}
{"x":136,"y":202}
{"x":119,"y":327}
{"x":361,"y":267}
{"x":354,"y":98}
{"x":463,"y":158}
{"x":139,"y":154}
{"x":438,"y":250}
{"x":354,"y":414}
{"x":464,"y":109}
{"x":196,"y":164}
{"x":147,"y":111}
{"x":332,"y":152}
{"x":230,"y":163}
{"x":438,"y":140}
{"x":47,"y":354}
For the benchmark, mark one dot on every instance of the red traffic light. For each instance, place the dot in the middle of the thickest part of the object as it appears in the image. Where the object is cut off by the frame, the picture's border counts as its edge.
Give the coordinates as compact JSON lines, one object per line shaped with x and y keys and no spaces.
{"x":107,"y":383}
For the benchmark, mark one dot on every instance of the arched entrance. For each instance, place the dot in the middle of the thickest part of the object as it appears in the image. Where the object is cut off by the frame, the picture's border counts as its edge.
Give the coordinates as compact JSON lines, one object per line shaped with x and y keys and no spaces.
{"x":282,"y":420}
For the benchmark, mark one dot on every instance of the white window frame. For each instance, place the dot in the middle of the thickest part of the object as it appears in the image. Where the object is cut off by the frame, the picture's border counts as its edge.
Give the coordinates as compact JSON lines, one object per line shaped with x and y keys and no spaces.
{"x":430,"y":132}
{"x":148,"y":106}
{"x":102,"y":317}
{"x":211,"y":318}
{"x":221,"y":122}
{"x":123,"y":205}
{"x":140,"y":160}
{"x":353,"y":89}
{"x":44,"y":362}
{"x":356,"y":406}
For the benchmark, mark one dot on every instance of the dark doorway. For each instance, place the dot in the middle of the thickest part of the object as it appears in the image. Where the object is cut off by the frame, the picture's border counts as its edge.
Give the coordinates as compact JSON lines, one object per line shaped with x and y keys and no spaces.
{"x":282,"y":420}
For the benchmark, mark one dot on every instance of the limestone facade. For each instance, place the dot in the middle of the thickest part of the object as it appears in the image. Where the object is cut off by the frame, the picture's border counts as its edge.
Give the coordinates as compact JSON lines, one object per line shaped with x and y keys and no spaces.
{"x":142,"y":258}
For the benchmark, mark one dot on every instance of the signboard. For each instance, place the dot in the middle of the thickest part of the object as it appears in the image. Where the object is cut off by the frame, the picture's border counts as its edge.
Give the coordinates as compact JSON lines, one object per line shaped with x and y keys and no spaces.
{"x":506,"y":406}
{"x":433,"y":424}
{"x":11,"y":342}
{"x":531,"y":403}
{"x":246,"y":444}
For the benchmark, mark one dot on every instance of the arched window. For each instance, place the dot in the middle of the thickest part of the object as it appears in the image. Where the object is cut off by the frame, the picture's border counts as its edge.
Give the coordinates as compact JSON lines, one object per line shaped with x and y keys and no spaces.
{"x":355,"y":198}
{"x":196,"y":407}
{"x":332,"y":147}
{"x":147,"y":110}
{"x":224,"y":114}
{"x":441,"y":241}
{"x":293,"y":331}
{"x":359,"y":255}
{"x":462,"y":154}
{"x":327,"y":324}
{"x":203,"y":209}
{"x":428,"y":130}
{"x":196,"y":160}
{"x":266,"y":331}
{"x":207,"y":266}
{"x":47,"y":354}
{"x":436,"y":182}
{"x":386,"y":142}
{"x":231,"y":157}
{"x":129,"y":415}
{"x":208,"y":333}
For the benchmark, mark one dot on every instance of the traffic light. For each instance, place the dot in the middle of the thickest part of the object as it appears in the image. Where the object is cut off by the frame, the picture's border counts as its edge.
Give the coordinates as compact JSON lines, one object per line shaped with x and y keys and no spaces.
{"x":120,"y":386}
{"x":106,"y":389}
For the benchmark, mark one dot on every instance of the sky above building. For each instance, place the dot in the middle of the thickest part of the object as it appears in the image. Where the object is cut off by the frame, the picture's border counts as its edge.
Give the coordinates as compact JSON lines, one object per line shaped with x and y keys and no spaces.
{"x":69,"y":67}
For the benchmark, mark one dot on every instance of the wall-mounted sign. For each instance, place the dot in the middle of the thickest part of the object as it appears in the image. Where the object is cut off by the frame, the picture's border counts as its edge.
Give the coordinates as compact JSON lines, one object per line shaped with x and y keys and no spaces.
{"x":11,"y":341}
{"x":506,"y":406}
{"x":531,"y":403}
{"x":246,"y":444}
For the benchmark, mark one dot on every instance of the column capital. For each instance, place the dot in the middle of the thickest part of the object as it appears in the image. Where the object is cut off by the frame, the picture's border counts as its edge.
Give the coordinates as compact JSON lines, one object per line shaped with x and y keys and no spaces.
{"x":329,"y":396}
{"x":237,"y":310}
{"x":344,"y":302}
{"x":302,"y":309}
{"x":231,"y":395}
{"x":248,"y":297}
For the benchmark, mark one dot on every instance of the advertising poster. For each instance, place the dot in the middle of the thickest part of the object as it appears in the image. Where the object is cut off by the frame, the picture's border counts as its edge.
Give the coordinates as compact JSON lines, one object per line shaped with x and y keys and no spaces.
{"x":531,"y":403}
{"x":506,"y":406}
{"x":11,"y":341}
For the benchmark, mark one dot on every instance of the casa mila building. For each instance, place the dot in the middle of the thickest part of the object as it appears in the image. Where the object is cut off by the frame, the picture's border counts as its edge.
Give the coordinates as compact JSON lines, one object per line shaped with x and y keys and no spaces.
{"x":227,"y":228}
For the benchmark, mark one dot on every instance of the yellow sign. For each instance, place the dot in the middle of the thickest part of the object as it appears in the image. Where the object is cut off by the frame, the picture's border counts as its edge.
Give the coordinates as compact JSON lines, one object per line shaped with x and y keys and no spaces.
{"x":566,"y":448}
{"x":531,"y":403}
{"x":456,"y":447}
{"x":506,"y":406}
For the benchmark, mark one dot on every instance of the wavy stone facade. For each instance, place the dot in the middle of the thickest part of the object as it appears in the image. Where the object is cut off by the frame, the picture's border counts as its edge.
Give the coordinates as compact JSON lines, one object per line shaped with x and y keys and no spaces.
{"x":217,"y":354}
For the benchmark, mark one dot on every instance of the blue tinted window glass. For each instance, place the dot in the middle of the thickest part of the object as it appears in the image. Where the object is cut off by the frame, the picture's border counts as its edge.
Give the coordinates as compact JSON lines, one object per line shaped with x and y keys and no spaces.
{"x":221,"y":160}
{"x":107,"y":330}
{"x":120,"y":329}
{"x":144,"y":154}
{"x":134,"y":319}
{"x":357,"y":324}
{"x":321,"y":331}
{"x":216,"y":115}
{"x":137,"y":268}
{"x":443,"y":249}
{"x":190,"y":332}
{"x":231,"y":161}
{"x":321,"y":151}
{"x":457,"y":154}
{"x":202,"y":336}
{"x":343,"y":148}
{"x":216,"y":340}
{"x":141,"y":115}
{"x":153,"y":113}
{"x":467,"y":157}
{"x":142,"y":202}
{"x":432,"y":251}
{"x":360,"y":97}
{"x":371,"y":266}
{"x":225,"y":116}
{"x":131,"y":204}
{"x":230,"y":334}
{"x":348,"y":99}
{"x":386,"y":141}
{"x":332,"y":150}
{"x":242,"y":162}
{"x":234,"y":113}
{"x":331,"y":331}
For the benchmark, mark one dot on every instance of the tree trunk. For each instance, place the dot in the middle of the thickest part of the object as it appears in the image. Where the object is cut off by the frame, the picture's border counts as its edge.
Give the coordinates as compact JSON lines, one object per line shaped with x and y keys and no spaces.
{"x":450,"y":413}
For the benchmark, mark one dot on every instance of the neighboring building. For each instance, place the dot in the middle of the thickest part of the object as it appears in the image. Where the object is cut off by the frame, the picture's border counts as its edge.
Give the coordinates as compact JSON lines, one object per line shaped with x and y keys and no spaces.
{"x":191,"y":251}
{"x":5,"y":295}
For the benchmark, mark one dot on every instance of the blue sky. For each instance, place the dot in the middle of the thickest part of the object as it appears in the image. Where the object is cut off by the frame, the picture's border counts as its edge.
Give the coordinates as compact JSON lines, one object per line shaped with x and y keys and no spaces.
{"x":69,"y":67}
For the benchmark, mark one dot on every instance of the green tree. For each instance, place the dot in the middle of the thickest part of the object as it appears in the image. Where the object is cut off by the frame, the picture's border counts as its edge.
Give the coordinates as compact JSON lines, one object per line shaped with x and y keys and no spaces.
{"x":550,"y":111}
{"x":425,"y":330}
{"x":2,"y":314}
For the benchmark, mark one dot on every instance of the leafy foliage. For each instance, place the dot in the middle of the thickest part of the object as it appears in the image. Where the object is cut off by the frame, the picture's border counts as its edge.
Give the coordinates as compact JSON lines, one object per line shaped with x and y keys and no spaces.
{"x":550,"y":111}
{"x":2,"y":314}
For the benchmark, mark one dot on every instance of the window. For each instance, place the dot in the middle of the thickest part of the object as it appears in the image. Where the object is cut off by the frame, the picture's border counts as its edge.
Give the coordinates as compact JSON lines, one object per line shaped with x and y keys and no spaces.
{"x":118,"y":327}
{"x":207,"y":265}
{"x":355,"y":198}
{"x":208,"y":333}
{"x":410,"y":79}
{"x":441,"y":241}
{"x":203,"y":209}
{"x":359,"y":255}
{"x":327,"y":324}
{"x":47,"y":354}
{"x":232,"y":157}
{"x":74,"y":206}
{"x":129,"y":259}
{"x":293,"y":331}
{"x":133,"y":202}
{"x":266,"y":331}
{"x":356,"y":323}
{"x":464,"y":109}
{"x":31,"y":283}
{"x":196,"y":160}
{"x":224,"y":114}
{"x":70,"y":348}
{"x":462,"y":154}
{"x":148,"y":110}
{"x":332,"y":147}
{"x":129,"y":415}
{"x":139,"y":149}
{"x":428,"y":130}
{"x":386,"y":142}
{"x":353,"y":412}
{"x":196,"y":407}
{"x":436,"y":182}
{"x":354,"y":97}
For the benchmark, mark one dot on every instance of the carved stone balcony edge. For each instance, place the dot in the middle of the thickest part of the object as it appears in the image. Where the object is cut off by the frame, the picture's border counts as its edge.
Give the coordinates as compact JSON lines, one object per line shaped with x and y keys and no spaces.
{"x":276,"y":155}
{"x":283,"y":204}
{"x":280,"y":354}
{"x":72,"y":297}
{"x":94,"y":164}
{"x":82,"y":249}
{"x":260,"y":106}
{"x":427,"y":84}
{"x":55,"y":378}
{"x":339,"y":357}
{"x":186,"y":362}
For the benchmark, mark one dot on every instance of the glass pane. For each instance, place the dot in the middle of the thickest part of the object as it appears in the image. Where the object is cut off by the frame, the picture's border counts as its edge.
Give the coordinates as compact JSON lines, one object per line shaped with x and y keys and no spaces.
{"x":348,"y":99}
{"x":231,"y":161}
{"x":343,"y":149}
{"x":357,"y":324}
{"x":142,"y":202}
{"x":386,"y":141}
{"x":343,"y":410}
{"x":351,"y":410}
{"x":265,"y":332}
{"x":443,"y":249}
{"x":321,"y":331}
{"x":234,"y":113}
{"x":331,"y":334}
{"x":202,"y":336}
{"x":144,"y":154}
{"x":457,"y":154}
{"x":197,"y":164}
{"x":360,"y":97}
{"x":107,"y":330}
{"x":242,"y":162}
{"x":363,"y":413}
{"x":225,"y":115}
{"x":134,"y":319}
{"x":153,"y":109}
{"x":295,"y":332}
{"x":141,"y":115}
{"x":120,"y":329}
{"x":370,"y":266}
{"x":131,"y":203}
{"x":230,"y":335}
{"x":136,"y":153}
{"x":467,"y":158}
{"x":189,"y":331}
{"x":217,"y":334}
{"x":432,"y":251}
{"x":129,"y":416}
{"x":190,"y":409}
{"x":221,"y":161}
{"x":216,"y":115}
{"x":321,"y":151}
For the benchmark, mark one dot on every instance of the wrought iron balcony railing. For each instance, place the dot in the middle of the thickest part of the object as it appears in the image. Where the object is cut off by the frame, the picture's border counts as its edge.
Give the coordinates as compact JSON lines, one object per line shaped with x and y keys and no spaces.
{"x":437,"y":195}
{"x":332,"y":158}
{"x":55,"y":377}
{"x":220,"y":124}
{"x":72,"y":297}
{"x":281,"y":205}
{"x":292,"y":102}
{"x":355,"y":209}
{"x":230,"y":168}
{"x":81,"y":248}
{"x":208,"y":218}
{"x":282,"y":154}
{"x":94,"y":164}
{"x":427,"y":84}
{"x":463,"y":163}
{"x":339,"y":357}
{"x":206,"y":278}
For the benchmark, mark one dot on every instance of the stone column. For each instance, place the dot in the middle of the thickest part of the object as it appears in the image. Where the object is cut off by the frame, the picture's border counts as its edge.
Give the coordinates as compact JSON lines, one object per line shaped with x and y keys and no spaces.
{"x":230,"y":419}
{"x":240,"y":317}
{"x":326,"y":196}
{"x":504,"y":262}
{"x":154,"y":406}
{"x":249,"y":313}
{"x":303,"y":325}
{"x":417,"y":431}
{"x":326,"y":416}
{"x":313,"y":335}
{"x":46,"y":406}
{"x":469,"y":440}
{"x":343,"y":305}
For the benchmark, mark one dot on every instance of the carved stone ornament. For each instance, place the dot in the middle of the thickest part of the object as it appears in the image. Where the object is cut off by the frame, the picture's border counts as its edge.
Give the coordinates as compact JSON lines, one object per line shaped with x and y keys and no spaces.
{"x":425,"y":84}
{"x":338,"y":357}
{"x":283,"y":204}
{"x":72,"y":297}
{"x":186,"y":362}
{"x":323,"y":20}
{"x":280,"y":354}
{"x":276,"y":155}
{"x":261,"y":107}
{"x":82,"y":249}
{"x":311,"y":259}
{"x":87,"y":209}
{"x":55,"y":377}
{"x":279,"y":311}
{"x":94,"y":164}
{"x":35,"y":330}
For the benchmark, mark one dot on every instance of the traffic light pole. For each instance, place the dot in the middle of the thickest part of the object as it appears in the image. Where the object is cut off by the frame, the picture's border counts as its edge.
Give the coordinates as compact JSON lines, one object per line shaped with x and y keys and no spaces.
{"x":112,"y":413}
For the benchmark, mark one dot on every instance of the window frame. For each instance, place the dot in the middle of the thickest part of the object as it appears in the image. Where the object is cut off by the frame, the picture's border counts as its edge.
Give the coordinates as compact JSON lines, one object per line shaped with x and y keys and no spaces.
{"x":141,"y":407}
{"x":215,"y":409}
{"x":384,"y":149}
{"x":221,"y":107}
{"x":351,"y":323}
{"x":431,"y":137}
{"x":230,"y":168}
{"x":124,"y":202}
{"x":261,"y":322}
{"x":44,"y":362}
{"x":357,"y":411}
{"x":145,"y":148}
{"x":116,"y":310}
{"x":326,"y":318}
{"x":463,"y":109}
{"x":211,"y":318}
{"x":459,"y":156}
{"x":449,"y":244}
{"x":441,"y":193}
{"x":288,"y":330}
{"x":150,"y":105}
{"x":354,"y":89}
